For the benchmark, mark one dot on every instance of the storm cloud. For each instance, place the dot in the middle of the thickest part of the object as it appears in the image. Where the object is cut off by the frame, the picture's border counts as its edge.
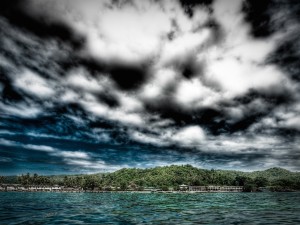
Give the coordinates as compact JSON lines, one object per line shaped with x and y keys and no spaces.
{"x":87,"y":86}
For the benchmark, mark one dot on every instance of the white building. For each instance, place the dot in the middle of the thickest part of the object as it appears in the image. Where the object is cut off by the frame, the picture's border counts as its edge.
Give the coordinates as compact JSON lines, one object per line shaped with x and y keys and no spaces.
{"x":216,"y":188}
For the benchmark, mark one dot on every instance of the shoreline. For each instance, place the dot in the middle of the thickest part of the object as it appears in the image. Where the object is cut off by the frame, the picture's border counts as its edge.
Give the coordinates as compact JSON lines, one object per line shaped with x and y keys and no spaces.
{"x":148,"y":192}
{"x":144,"y":192}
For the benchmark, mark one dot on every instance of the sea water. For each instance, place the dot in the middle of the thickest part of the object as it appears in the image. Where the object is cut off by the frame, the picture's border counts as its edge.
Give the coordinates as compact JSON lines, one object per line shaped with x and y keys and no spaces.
{"x":151,"y":208}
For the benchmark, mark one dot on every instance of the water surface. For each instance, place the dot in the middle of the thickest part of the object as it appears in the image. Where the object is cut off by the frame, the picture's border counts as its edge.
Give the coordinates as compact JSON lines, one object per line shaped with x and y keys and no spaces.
{"x":152,"y":208}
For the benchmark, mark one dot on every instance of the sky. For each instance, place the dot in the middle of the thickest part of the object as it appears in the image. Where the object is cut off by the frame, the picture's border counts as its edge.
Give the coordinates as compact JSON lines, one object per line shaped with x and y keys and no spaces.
{"x":96,"y":86}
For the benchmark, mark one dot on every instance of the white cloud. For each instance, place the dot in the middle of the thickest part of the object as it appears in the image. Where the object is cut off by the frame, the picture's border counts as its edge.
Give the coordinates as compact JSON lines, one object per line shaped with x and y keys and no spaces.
{"x":191,"y":135}
{"x":184,"y":45}
{"x":92,"y":165}
{"x":228,"y":13}
{"x":121,"y":115}
{"x":128,"y":32}
{"x":149,"y":139}
{"x":237,"y":63}
{"x":42,"y":148}
{"x":33,"y":84}
{"x":127,"y":118}
{"x":129,"y":103}
{"x":73,"y":155}
{"x":81,"y":79}
{"x":236,"y":78}
{"x":192,"y":94}
{"x":21,"y":110}
{"x":247,"y":143}
{"x":286,"y":117}
{"x":7,"y":142}
{"x":69,"y":96}
{"x":292,"y":122}
{"x":158,"y":83}
{"x":131,"y":32}
{"x":90,"y":104}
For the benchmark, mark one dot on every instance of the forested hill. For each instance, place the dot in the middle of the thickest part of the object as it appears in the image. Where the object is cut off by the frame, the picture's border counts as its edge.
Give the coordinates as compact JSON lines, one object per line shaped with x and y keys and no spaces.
{"x":275,"y":173}
{"x":186,"y":174}
{"x":170,"y":177}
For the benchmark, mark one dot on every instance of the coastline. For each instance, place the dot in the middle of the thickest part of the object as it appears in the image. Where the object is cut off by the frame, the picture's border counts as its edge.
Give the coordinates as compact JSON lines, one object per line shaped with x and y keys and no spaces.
{"x":144,"y":192}
{"x":62,"y":189}
{"x":183,"y":189}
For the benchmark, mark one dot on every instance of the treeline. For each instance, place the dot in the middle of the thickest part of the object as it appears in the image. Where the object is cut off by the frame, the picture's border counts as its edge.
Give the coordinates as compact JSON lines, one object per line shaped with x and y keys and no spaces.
{"x":169,"y":178}
{"x":79,"y":181}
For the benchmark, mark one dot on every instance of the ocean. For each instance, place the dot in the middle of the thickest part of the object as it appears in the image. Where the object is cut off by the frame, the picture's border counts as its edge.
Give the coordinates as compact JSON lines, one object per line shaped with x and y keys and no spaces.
{"x":149,"y":208}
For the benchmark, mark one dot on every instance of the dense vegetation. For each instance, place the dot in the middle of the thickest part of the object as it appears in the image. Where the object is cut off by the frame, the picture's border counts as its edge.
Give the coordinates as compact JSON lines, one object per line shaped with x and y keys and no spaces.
{"x":169,"y":177}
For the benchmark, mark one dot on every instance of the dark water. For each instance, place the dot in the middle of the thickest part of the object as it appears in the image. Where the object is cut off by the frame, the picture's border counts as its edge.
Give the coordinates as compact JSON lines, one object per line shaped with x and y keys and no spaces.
{"x":141,"y":208}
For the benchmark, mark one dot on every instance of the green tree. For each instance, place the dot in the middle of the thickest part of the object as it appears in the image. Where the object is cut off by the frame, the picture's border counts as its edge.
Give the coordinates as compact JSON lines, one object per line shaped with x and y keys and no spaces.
{"x":90,"y":182}
{"x":249,"y":187}
{"x":2,"y":178}
{"x":35,"y":179}
{"x":123,"y":185}
{"x":260,"y":181}
{"x":241,"y":180}
{"x":164,"y":188}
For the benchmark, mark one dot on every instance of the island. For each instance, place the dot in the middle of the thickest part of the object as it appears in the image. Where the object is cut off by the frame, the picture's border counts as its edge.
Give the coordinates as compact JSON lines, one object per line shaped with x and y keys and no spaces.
{"x":168,"y":179}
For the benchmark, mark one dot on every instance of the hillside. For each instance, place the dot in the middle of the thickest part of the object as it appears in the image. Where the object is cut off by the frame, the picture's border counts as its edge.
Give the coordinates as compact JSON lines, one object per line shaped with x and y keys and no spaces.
{"x":275,"y":173}
{"x":186,"y":174}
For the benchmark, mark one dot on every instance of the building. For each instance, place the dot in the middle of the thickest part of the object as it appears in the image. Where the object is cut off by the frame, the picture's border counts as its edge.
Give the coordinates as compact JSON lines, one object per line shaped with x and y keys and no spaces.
{"x":198,"y":188}
{"x":183,"y":187}
{"x":22,"y":188}
{"x":12,"y":187}
{"x":35,"y":188}
{"x":151,"y":189}
{"x":216,"y":188}
{"x":56,"y":188}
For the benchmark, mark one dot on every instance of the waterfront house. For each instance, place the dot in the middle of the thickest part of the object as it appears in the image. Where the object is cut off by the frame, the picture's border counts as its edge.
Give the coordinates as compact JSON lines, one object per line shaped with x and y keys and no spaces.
{"x":71,"y":189}
{"x":2,"y":188}
{"x":12,"y":187}
{"x":22,"y":188}
{"x":9,"y":187}
{"x":152,"y":189}
{"x":109,"y":188}
{"x":212,"y":188}
{"x":32,"y":188}
{"x":183,"y":187}
{"x":56,"y":188}
{"x":198,"y":188}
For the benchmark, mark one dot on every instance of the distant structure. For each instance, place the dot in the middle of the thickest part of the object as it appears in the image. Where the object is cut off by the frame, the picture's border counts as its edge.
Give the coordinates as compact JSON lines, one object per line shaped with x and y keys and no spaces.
{"x":183,"y":187}
{"x":151,"y":189}
{"x":31,"y":188}
{"x":215,"y":188}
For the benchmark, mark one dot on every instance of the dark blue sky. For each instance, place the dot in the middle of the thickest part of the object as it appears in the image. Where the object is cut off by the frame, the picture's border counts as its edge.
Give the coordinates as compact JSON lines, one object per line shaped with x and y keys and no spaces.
{"x":93,"y":86}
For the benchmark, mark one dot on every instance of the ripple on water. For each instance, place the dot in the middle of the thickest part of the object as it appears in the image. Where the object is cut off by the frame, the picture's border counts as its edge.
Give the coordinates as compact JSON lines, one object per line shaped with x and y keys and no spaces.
{"x":152,"y":208}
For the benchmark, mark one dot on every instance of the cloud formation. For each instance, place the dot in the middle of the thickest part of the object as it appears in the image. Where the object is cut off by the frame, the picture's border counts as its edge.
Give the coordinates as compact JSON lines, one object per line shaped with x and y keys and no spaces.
{"x":210,"y":83}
